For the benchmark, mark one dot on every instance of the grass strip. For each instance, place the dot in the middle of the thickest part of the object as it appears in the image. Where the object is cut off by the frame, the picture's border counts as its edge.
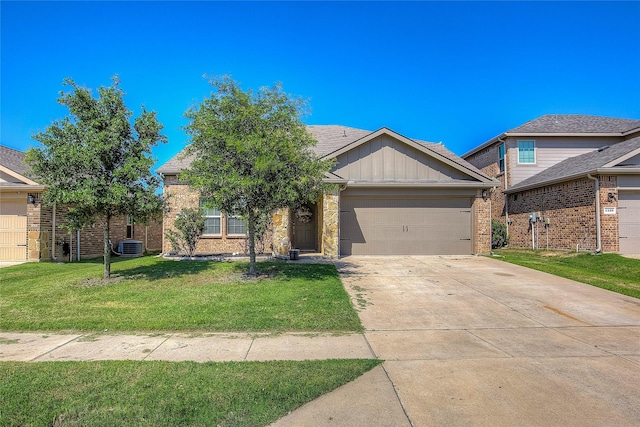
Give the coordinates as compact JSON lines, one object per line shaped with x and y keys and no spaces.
{"x":607,"y":271}
{"x":151,"y":294}
{"x":128,"y":393}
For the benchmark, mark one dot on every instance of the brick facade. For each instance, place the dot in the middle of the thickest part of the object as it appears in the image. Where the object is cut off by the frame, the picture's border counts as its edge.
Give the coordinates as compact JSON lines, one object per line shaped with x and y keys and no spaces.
{"x":41,"y":232}
{"x":482,"y":224}
{"x":566,"y":217}
{"x":178,"y":196}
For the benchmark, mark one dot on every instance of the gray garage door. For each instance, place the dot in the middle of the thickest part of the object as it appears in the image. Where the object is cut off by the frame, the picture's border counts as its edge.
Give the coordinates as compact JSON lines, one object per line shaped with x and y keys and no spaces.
{"x":629,"y":221}
{"x":405,"y":226}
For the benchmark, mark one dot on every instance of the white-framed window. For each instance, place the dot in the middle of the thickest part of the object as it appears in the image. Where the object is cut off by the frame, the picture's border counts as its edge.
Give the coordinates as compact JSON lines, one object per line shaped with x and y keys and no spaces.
{"x":501,"y":157}
{"x":129,"y":227}
{"x":526,"y":152}
{"x":212,"y":222}
{"x":236,"y":226}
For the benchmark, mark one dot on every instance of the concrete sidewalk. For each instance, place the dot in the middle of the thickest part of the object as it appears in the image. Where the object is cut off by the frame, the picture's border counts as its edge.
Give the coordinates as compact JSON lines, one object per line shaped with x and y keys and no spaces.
{"x":467,"y":341}
{"x":221,"y":347}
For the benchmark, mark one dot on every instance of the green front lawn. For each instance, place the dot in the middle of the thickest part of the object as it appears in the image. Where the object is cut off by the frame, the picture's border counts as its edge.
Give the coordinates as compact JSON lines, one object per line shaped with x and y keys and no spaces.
{"x":608,"y":271}
{"x":125,"y":393}
{"x":152,"y":294}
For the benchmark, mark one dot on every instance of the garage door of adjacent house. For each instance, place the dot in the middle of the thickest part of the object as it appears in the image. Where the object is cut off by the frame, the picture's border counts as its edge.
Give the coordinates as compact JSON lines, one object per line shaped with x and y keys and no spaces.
{"x":629,"y":221}
{"x":405,"y":226}
{"x":13,"y":229}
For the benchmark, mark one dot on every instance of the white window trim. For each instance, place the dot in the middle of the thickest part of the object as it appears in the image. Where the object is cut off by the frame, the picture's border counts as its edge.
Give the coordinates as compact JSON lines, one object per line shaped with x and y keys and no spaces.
{"x":219,"y":216}
{"x":535,"y":159}
{"x":503,"y":158}
{"x":129,"y":227}
{"x":227,"y":226}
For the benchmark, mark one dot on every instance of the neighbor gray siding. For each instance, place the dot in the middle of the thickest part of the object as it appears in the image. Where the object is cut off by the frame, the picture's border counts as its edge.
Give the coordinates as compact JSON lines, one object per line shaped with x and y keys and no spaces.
{"x":550,"y":151}
{"x":628,"y":181}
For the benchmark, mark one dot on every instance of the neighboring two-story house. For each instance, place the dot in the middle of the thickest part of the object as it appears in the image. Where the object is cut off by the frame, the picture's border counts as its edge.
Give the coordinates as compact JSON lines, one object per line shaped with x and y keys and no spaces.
{"x":567,"y":182}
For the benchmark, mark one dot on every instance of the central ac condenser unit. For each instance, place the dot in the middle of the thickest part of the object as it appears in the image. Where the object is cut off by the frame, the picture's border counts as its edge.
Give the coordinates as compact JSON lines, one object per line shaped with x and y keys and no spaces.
{"x":130,"y":248}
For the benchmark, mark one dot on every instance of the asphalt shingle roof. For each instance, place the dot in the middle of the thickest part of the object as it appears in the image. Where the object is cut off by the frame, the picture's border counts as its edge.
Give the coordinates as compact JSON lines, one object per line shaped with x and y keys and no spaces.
{"x":579,"y":165}
{"x":14,"y":160}
{"x":576,"y":123}
{"x":330,"y":138}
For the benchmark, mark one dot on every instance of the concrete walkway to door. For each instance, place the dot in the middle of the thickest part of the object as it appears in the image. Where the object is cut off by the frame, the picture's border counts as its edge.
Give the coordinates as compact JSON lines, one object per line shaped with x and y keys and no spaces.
{"x":473,"y":341}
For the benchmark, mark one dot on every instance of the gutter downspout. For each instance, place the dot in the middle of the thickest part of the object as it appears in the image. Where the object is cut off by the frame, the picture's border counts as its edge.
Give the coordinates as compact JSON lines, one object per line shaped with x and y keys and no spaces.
{"x":78,"y":243}
{"x":506,"y":185}
{"x":53,"y":234}
{"x":598,"y":236}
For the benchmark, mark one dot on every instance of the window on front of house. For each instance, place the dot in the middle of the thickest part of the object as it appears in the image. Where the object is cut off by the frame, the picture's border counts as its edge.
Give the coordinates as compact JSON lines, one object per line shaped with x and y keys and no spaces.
{"x":526,"y":152}
{"x":236,"y":226}
{"x":501,"y":157}
{"x":212,"y":222}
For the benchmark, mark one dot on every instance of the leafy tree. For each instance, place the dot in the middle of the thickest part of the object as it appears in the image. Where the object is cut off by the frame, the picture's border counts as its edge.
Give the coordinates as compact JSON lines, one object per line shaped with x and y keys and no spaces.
{"x":251,"y":153}
{"x":190,"y":224}
{"x":97,"y":162}
{"x":499,"y":237}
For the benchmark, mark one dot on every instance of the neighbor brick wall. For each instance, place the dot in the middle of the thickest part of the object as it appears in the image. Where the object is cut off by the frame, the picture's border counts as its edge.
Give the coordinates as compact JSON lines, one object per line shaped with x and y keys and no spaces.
{"x":609,"y":223}
{"x":487,"y":161}
{"x":570,"y":209}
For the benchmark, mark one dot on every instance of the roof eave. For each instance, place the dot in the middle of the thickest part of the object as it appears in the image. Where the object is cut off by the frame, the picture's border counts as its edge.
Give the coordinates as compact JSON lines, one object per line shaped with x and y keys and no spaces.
{"x":566,"y":134}
{"x":470,"y":184}
{"x":618,"y":171}
{"x":17,"y":175}
{"x":22,"y":187}
{"x":598,"y":171}
{"x":484,"y":145}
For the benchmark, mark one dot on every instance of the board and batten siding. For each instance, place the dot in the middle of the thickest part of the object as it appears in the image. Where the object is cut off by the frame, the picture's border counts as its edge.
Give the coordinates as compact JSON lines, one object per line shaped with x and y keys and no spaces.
{"x":386,"y":159}
{"x":550,"y":151}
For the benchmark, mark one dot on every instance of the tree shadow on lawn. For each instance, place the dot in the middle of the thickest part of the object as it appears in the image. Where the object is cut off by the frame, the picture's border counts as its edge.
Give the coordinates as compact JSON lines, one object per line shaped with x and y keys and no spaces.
{"x":279,"y":270}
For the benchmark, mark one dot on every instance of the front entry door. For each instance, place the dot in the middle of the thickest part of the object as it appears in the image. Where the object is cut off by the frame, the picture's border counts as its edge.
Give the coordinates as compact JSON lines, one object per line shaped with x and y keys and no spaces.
{"x":304,"y":228}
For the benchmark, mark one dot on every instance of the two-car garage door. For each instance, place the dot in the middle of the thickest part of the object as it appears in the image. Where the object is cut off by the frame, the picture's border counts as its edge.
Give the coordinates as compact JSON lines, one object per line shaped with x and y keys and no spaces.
{"x":405,"y":225}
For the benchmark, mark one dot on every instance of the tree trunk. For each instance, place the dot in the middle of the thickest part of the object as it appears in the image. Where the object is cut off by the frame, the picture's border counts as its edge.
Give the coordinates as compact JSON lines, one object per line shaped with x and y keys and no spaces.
{"x":251,"y":220}
{"x":107,"y":249}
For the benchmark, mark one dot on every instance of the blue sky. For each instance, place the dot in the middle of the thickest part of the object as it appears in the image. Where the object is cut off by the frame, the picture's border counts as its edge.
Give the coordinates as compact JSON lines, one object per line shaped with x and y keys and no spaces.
{"x":456,"y":72}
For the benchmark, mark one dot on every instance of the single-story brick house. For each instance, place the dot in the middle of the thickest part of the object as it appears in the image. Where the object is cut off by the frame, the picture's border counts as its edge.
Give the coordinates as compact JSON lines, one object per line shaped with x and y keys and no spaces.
{"x":567,"y":182}
{"x":30,"y":231}
{"x":391,"y":195}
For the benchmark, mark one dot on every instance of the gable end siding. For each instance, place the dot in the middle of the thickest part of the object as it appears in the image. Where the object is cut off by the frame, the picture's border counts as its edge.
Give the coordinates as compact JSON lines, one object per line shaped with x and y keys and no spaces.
{"x":387,"y":159}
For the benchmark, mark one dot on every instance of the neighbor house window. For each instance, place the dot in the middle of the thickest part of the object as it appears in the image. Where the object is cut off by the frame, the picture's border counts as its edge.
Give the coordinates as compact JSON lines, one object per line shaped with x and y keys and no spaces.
{"x":129,"y":227}
{"x":526,"y":152}
{"x":212,"y":220}
{"x":501,"y":157}
{"x":236,"y":225}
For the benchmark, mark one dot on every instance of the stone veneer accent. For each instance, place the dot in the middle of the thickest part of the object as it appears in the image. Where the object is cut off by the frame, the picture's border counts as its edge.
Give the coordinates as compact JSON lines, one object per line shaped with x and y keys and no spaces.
{"x":330,"y":224}
{"x":281,"y":232}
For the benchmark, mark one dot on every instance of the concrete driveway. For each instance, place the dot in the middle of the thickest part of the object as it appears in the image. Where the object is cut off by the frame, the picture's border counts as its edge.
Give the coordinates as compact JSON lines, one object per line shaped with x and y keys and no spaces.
{"x":473,"y":341}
